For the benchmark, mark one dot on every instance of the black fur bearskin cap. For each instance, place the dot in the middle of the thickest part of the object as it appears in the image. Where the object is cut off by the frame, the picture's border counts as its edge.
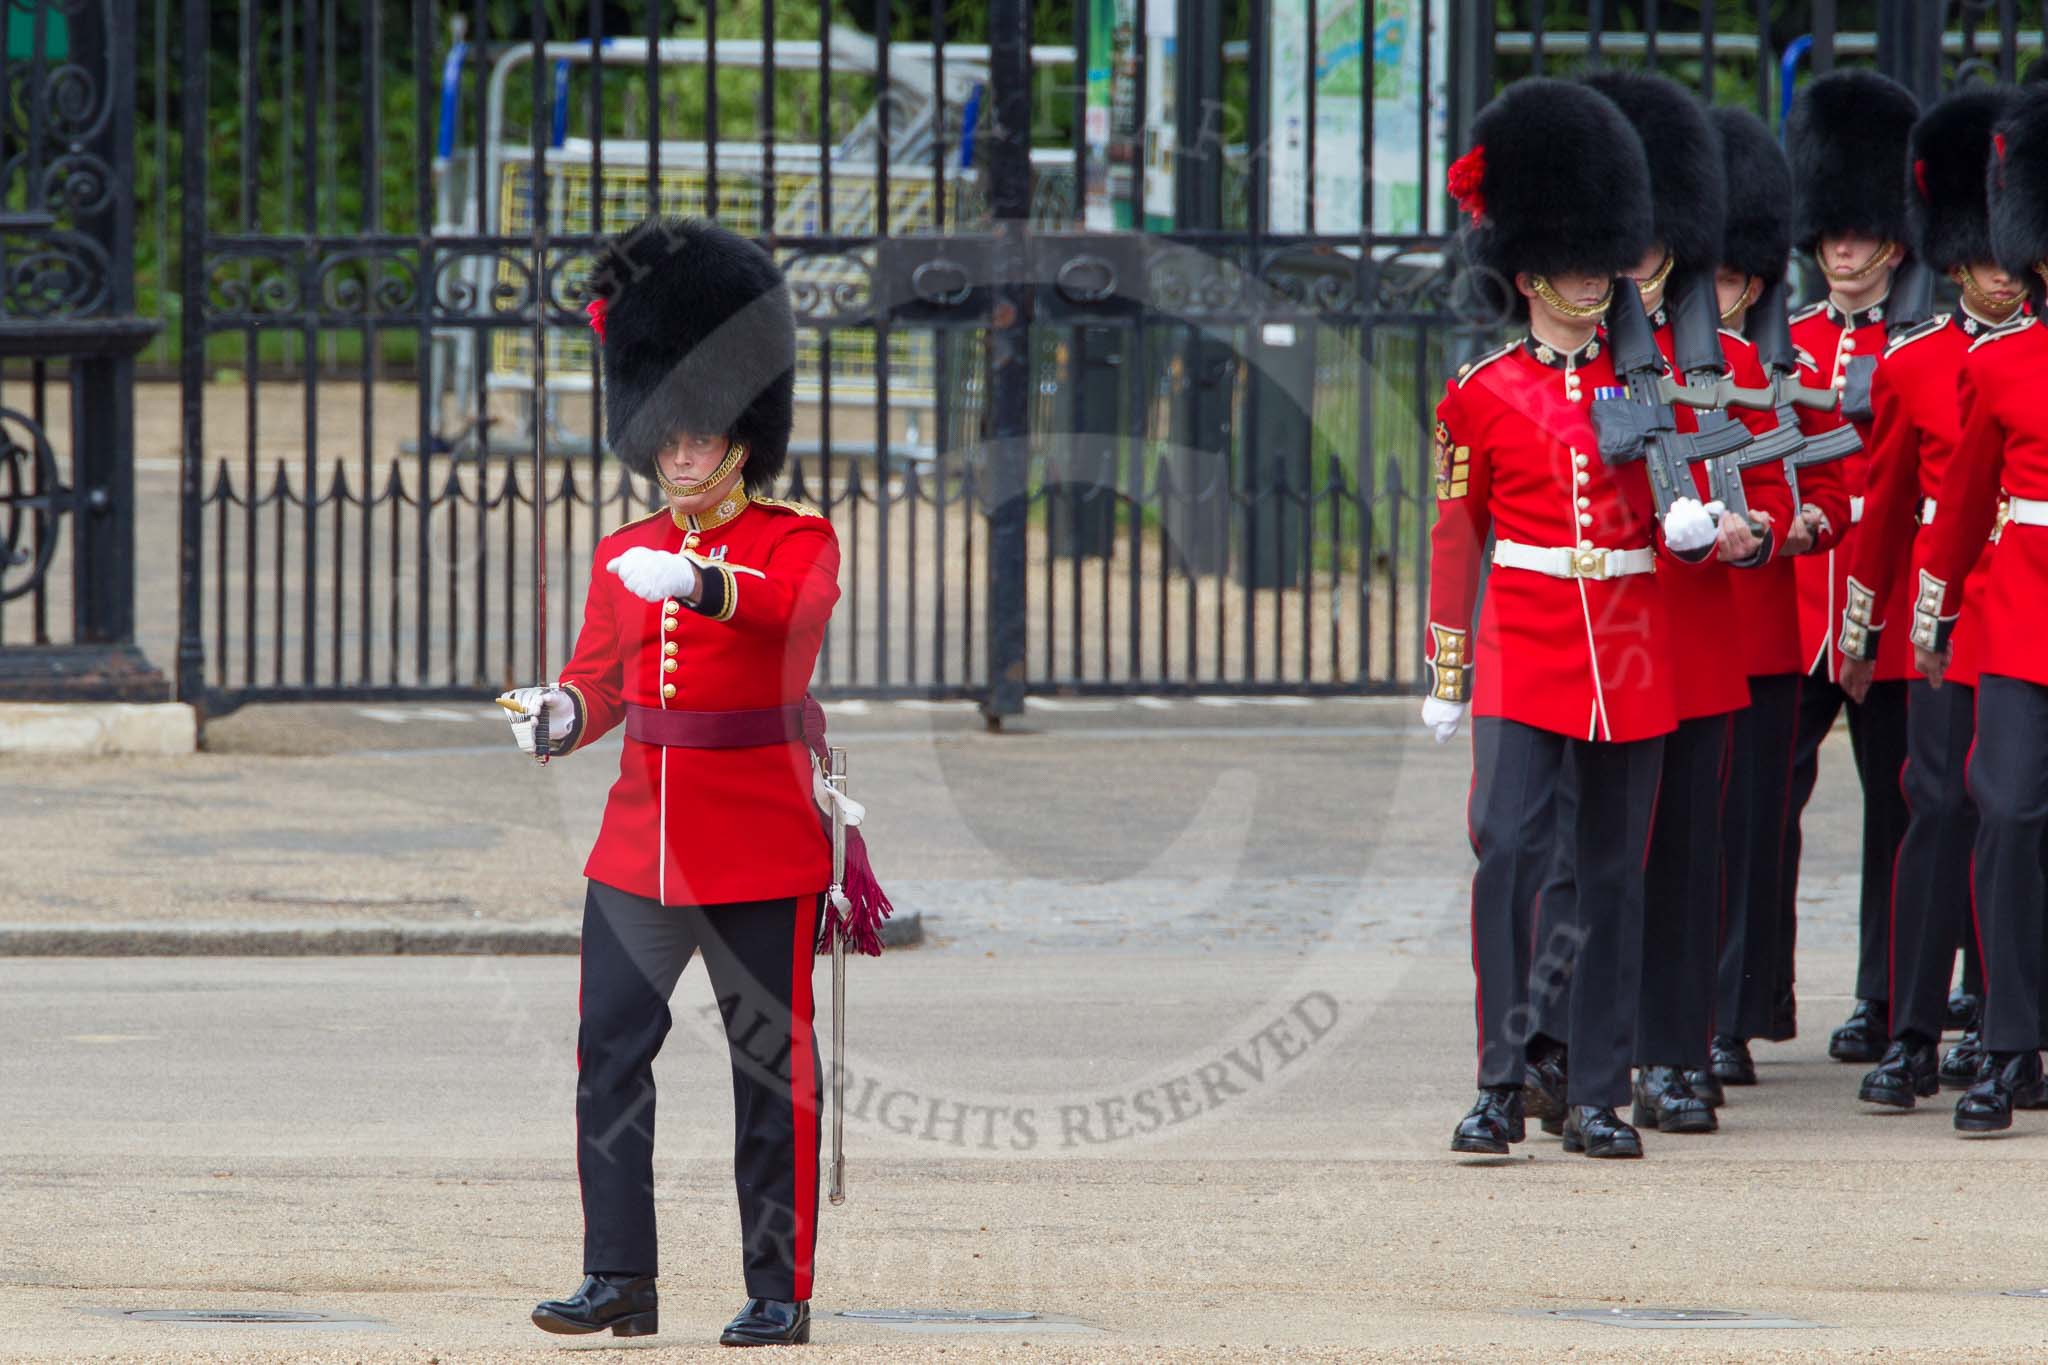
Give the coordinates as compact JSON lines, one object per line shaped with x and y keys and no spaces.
{"x":2017,"y":178}
{"x":694,"y":325}
{"x":1688,"y":183}
{"x":1555,"y":183}
{"x":1946,"y":205}
{"x":1757,"y":236}
{"x":1847,"y":136}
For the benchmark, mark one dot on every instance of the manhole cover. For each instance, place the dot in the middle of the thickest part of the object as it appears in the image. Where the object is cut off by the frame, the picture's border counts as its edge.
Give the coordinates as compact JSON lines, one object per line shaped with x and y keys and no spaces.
{"x":1675,"y":1317}
{"x":959,"y":1316}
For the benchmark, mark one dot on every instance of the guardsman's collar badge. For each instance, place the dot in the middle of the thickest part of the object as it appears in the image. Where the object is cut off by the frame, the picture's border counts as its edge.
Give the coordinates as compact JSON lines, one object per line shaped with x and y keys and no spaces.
{"x":1547,"y":354}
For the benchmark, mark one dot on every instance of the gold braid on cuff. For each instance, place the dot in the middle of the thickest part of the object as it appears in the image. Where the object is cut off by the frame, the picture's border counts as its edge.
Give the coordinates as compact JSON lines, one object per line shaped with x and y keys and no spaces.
{"x":1571,"y":310}
{"x":1450,"y":668}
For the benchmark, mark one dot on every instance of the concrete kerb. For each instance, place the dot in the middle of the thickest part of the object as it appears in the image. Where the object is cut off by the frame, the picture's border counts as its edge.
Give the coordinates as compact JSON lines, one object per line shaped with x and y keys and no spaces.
{"x":904,"y":930}
{"x":99,"y":729}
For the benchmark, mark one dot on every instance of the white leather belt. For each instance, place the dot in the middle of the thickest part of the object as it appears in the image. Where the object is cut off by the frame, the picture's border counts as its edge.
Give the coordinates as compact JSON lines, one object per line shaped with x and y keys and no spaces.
{"x":1855,"y":509}
{"x":2027,"y":511}
{"x":1927,"y":511}
{"x":1563,"y":561}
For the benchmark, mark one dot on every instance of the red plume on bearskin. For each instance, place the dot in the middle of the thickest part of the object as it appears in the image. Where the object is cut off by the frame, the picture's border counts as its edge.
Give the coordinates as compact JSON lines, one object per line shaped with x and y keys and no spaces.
{"x":1464,"y":181}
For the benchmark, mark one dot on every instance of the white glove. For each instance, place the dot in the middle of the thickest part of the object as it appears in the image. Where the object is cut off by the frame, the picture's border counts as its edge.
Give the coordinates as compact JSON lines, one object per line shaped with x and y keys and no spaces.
{"x":654,"y":575}
{"x":1690,"y":526}
{"x":1442,"y":717}
{"x":561,"y":715}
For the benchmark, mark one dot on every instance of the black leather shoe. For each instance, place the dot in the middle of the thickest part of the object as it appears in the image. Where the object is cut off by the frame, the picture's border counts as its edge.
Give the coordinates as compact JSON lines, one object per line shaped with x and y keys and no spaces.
{"x":1707,"y":1086}
{"x":1962,"y":1012}
{"x":1862,"y":1037}
{"x":1730,"y":1061}
{"x":1543,"y":1086}
{"x":1908,"y":1073}
{"x":1663,"y":1101}
{"x":769,"y":1322}
{"x":624,"y":1303}
{"x":1493,"y":1121}
{"x":1599,"y":1132}
{"x":1962,"y":1064}
{"x":2010,"y":1081}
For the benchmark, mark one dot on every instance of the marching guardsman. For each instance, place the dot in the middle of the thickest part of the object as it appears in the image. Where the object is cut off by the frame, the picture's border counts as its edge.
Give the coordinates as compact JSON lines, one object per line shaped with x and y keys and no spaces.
{"x":700,"y":630}
{"x":1756,"y":251}
{"x":1570,"y":659}
{"x":1917,"y":423}
{"x":2004,"y":444}
{"x":1683,"y":875}
{"x":1847,"y":135}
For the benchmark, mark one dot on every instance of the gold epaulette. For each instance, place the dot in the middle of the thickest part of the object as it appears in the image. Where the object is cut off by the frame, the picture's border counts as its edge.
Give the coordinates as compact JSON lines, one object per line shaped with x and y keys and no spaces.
{"x":802,"y":509}
{"x":2010,"y":329}
{"x":1808,"y":311}
{"x":1472,"y":367}
{"x":1913,"y":334}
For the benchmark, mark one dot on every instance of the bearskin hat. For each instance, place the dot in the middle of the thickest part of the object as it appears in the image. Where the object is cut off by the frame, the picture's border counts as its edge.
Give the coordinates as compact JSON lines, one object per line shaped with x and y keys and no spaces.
{"x":1757,"y":236}
{"x":694,"y":325}
{"x":1847,"y":136}
{"x":1688,"y":186}
{"x":1555,"y":183}
{"x":1945,"y":195}
{"x":2018,"y":183}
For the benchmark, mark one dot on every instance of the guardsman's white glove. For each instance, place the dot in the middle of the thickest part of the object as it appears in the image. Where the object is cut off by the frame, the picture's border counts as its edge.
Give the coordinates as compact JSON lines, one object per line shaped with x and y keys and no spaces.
{"x":561,"y":715}
{"x":655,"y":575}
{"x":1443,"y":717}
{"x":1689,"y":526}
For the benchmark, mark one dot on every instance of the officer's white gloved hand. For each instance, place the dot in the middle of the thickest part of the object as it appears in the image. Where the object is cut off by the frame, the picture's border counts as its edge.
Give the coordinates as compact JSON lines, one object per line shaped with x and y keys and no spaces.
{"x":1690,"y":526}
{"x":561,"y":715}
{"x":1443,"y":717}
{"x":654,"y":575}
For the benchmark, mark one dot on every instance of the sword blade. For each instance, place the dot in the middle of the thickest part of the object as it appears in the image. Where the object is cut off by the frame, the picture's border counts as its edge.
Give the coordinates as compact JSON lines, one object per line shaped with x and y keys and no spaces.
{"x":836,"y":1187}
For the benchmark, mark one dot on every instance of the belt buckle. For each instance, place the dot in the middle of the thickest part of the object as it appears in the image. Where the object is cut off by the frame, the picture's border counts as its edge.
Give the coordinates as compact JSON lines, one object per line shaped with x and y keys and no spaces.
{"x":1589,"y":563}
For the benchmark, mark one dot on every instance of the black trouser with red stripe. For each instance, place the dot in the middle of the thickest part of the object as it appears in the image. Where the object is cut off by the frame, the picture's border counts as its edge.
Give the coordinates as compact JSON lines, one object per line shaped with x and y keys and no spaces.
{"x":1877,"y":736}
{"x":1931,"y":885}
{"x":1516,"y":772}
{"x":760,"y":955}
{"x":2009,"y":783}
{"x":1682,"y":896}
{"x":1755,"y":922}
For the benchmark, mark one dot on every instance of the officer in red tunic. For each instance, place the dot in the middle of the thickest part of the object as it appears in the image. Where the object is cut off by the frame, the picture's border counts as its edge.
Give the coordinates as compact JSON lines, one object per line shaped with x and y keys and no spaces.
{"x":1570,"y":659}
{"x":1756,"y":250}
{"x":1847,"y":136}
{"x":1683,"y":876}
{"x":1916,"y":421}
{"x":2004,"y":444}
{"x":700,"y":630}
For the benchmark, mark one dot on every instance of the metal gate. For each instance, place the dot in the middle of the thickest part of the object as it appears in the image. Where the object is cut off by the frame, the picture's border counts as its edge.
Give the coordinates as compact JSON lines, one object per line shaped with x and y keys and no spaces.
{"x":1096,"y":400}
{"x":1058,"y":461}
